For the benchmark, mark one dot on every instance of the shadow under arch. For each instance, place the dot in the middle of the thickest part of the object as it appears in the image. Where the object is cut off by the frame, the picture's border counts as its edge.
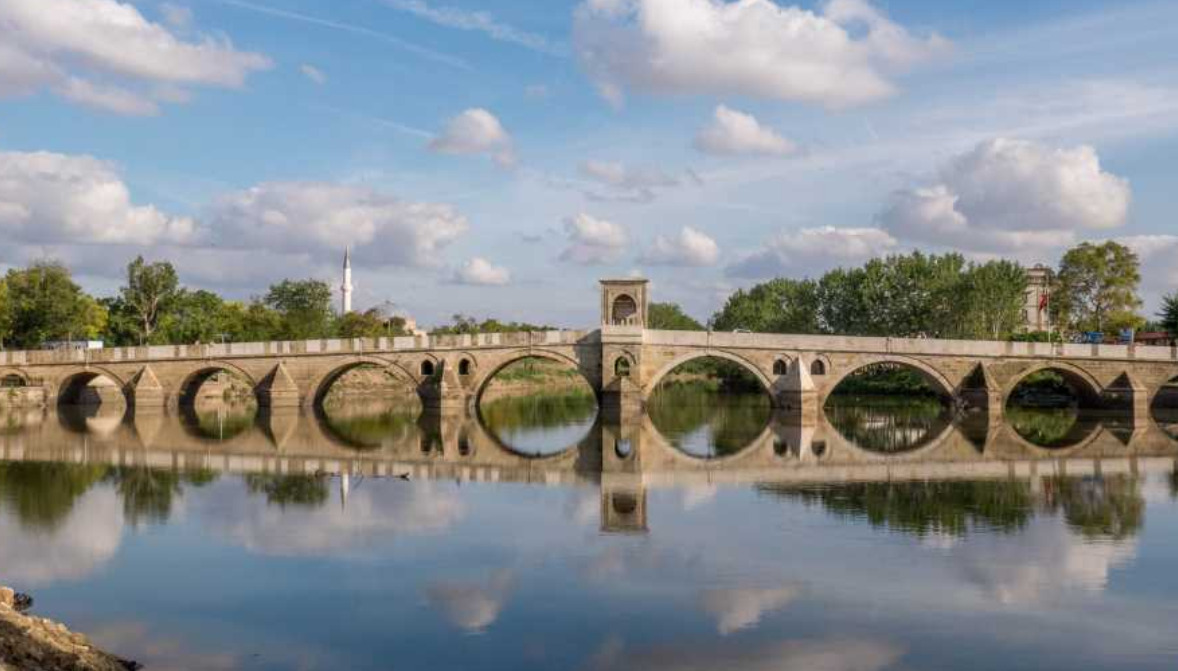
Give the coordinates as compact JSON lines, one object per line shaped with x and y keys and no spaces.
{"x":189,"y":388}
{"x":7,"y":375}
{"x":933,"y":377}
{"x":765,"y":440}
{"x":322,"y":386}
{"x":1075,"y":442}
{"x":479,"y":386}
{"x":653,"y":382}
{"x":581,"y":450}
{"x":73,"y":388}
{"x":1086,"y":387}
{"x":1163,"y":408}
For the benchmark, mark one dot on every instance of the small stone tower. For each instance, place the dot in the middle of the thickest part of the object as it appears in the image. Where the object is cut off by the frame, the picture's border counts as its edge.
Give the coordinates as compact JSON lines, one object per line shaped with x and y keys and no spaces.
{"x":624,"y":302}
{"x":346,"y":287}
{"x":1036,"y":308}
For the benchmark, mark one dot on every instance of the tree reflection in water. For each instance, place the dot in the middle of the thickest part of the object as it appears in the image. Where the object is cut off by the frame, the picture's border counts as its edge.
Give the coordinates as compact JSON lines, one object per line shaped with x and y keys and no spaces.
{"x":888,"y":424}
{"x":704,"y":421}
{"x":923,"y":508}
{"x":1051,"y":427}
{"x":43,"y":494}
{"x":1099,"y":508}
{"x":545,"y":422}
{"x":309,"y":491}
{"x":368,"y":424}
{"x":1096,"y":508}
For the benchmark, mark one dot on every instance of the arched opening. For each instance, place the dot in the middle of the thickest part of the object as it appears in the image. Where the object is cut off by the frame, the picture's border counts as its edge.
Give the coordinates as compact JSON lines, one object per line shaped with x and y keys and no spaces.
{"x":1165,"y":408}
{"x":1055,"y":388}
{"x":817,"y":367}
{"x":889,"y":407}
{"x":92,"y":402}
{"x":427,"y":368}
{"x":368,"y":405}
{"x":780,"y":367}
{"x":710,"y":407}
{"x":218,"y":403}
{"x":624,"y":311}
{"x":12,"y":381}
{"x":622,"y":367}
{"x":465,"y":367}
{"x":537,"y":406}
{"x":1054,"y":407}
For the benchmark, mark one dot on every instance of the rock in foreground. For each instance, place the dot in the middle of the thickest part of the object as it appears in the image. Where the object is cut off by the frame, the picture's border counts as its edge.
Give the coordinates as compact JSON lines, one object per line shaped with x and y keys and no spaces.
{"x":28,"y":643}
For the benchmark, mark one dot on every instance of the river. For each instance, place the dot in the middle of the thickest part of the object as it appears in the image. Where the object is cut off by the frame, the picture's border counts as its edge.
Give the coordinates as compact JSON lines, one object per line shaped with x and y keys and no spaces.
{"x":709,"y":533}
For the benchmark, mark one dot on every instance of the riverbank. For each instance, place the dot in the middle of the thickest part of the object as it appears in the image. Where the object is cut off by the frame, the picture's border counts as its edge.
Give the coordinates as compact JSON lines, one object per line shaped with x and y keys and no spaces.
{"x":28,"y":642}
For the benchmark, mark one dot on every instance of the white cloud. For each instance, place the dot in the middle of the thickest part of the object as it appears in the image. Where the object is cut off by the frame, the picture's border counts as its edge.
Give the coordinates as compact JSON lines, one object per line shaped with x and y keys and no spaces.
{"x":736,"y":609}
{"x":177,"y":16}
{"x":832,"y":654}
{"x":839,"y":57}
{"x":1011,"y":195}
{"x":313,"y":73}
{"x":479,"y":271}
{"x":480,"y":21}
{"x":812,"y":250}
{"x":373,"y":515}
{"x":86,"y":539}
{"x":471,"y":606}
{"x":734,"y":132}
{"x":321,"y":218}
{"x":622,"y":183}
{"x":691,"y":248}
{"x":476,"y":131}
{"x":51,"y":42}
{"x":593,"y":241}
{"x":108,"y":98}
{"x":59,"y":198}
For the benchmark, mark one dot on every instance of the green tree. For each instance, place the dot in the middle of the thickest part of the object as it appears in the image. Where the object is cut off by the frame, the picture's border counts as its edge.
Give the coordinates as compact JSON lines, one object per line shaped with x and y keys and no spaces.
{"x":990,"y":301}
{"x":370,"y":324}
{"x":45,"y":304}
{"x":911,"y":295}
{"x":1168,"y":315}
{"x":671,"y":317}
{"x":465,"y":324}
{"x":841,"y":305}
{"x":1096,"y":288}
{"x":5,"y":313}
{"x":151,"y":291}
{"x":777,"y":306}
{"x":304,"y":307}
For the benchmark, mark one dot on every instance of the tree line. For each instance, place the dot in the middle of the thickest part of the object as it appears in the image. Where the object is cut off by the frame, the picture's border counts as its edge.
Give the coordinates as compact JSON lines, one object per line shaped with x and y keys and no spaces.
{"x":42,"y":303}
{"x":1095,"y":288}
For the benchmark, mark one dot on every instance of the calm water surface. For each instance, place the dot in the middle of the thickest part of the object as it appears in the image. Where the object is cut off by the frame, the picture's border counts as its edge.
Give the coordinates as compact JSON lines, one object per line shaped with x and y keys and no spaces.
{"x":708,"y":534}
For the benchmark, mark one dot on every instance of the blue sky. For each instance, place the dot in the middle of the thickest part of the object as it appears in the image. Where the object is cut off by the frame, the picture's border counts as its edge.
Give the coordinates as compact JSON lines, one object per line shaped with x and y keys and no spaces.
{"x":498,"y":159}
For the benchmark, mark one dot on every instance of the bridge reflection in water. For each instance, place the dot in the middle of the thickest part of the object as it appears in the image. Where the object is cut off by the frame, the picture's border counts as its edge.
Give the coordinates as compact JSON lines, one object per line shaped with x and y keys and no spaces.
{"x":624,"y":457}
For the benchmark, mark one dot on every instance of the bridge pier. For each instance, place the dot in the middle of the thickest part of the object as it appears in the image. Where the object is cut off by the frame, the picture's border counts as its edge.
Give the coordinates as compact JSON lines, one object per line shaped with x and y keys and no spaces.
{"x":796,"y":396}
{"x":279,"y":390}
{"x":443,"y":392}
{"x":147,"y":394}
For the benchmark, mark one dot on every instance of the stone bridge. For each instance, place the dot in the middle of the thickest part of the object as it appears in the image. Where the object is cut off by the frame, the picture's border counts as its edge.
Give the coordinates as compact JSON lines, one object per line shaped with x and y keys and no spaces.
{"x":622,"y":360}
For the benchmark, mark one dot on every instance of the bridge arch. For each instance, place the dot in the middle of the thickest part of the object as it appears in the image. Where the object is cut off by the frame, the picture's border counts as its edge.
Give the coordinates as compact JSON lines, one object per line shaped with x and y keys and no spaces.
{"x":1085,"y":383}
{"x":192,"y":382}
{"x":653,"y":382}
{"x":934,"y":377}
{"x":13,"y":377}
{"x":71,"y":387}
{"x":322,"y":385}
{"x":484,"y":377}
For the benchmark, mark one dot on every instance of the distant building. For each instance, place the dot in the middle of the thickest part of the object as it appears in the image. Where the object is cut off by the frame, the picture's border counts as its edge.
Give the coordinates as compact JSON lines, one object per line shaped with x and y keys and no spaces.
{"x":346,"y":286}
{"x":1154,"y":338}
{"x":72,"y":344}
{"x":1036,"y":308}
{"x":388,"y":311}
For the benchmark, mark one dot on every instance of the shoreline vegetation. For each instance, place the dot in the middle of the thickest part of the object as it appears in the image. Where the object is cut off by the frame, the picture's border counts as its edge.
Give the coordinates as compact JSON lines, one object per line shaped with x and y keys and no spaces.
{"x":30,"y":642}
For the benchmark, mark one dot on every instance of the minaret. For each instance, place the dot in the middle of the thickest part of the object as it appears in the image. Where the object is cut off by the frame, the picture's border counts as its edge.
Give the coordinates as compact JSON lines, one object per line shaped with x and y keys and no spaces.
{"x":346,"y":287}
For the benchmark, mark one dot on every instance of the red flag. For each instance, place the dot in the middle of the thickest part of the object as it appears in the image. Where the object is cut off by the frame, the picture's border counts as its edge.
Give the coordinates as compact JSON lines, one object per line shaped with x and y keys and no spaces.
{"x":1042,"y":302}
